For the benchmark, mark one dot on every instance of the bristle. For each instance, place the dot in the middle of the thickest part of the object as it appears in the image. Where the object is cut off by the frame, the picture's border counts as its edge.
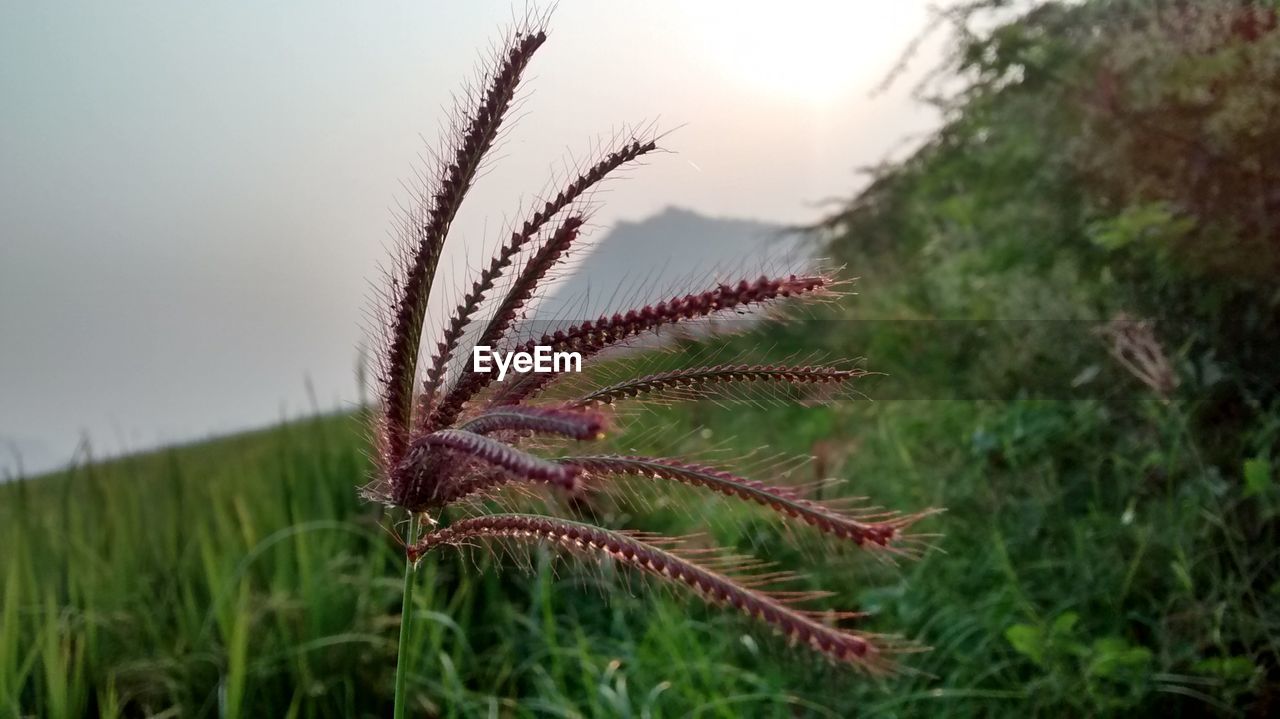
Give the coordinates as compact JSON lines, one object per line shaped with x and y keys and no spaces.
{"x":797,"y":626}
{"x":414,"y":287}
{"x":423,"y":477}
{"x":594,"y":336}
{"x":481,"y":485}
{"x":521,"y":292}
{"x":784,"y":500}
{"x":452,"y":486}
{"x":566,"y":422}
{"x":502,"y":455}
{"x":470,"y":304}
{"x":705,"y":377}
{"x":431,"y":462}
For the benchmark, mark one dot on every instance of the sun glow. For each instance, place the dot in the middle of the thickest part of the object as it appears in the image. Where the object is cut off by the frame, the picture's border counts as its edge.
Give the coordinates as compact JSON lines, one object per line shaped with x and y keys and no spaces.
{"x":809,"y":50}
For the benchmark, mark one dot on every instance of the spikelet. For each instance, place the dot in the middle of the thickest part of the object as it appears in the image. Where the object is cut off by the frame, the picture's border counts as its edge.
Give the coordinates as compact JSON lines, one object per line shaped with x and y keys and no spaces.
{"x":433,"y":457}
{"x":521,"y":292}
{"x":414,"y":288}
{"x":573,"y":423}
{"x":594,"y":336}
{"x":788,"y":501}
{"x":502,"y":455}
{"x":708,"y":377}
{"x":797,"y":626}
{"x":591,"y":336}
{"x":425,"y":474}
{"x":470,"y":304}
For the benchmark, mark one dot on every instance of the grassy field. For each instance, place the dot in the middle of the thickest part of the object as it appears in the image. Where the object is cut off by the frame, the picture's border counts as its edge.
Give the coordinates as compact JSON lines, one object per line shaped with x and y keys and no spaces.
{"x":243,"y":577}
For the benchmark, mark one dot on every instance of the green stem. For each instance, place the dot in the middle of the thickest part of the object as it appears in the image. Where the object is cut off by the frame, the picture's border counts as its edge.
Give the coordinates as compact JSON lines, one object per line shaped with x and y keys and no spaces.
{"x":406,"y":622}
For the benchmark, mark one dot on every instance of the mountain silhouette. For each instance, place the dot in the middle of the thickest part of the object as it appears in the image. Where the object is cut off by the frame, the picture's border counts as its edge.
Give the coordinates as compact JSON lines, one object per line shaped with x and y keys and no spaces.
{"x":673,"y":252}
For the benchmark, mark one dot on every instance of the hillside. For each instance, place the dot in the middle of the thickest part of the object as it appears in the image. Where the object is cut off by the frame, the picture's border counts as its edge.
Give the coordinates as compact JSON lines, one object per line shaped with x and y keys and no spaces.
{"x":644,"y":261}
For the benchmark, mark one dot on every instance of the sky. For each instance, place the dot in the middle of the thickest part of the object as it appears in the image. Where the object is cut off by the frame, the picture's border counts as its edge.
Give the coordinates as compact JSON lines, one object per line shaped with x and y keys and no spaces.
{"x":195,"y":197}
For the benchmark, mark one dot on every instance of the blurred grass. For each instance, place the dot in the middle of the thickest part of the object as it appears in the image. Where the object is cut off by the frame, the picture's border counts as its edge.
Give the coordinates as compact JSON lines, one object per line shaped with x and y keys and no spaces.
{"x":243,"y":577}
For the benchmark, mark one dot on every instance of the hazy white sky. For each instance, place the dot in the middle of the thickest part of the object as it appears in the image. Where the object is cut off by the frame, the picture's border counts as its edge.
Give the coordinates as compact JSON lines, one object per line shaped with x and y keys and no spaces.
{"x":193,"y":196}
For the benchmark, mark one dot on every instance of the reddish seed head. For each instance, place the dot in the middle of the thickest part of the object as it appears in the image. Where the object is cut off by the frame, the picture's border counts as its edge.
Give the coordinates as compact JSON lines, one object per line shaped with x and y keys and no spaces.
{"x":453,"y":441}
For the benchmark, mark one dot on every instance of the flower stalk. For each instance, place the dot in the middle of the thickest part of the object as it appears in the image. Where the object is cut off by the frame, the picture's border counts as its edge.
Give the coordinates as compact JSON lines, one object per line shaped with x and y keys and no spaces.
{"x":450,"y":442}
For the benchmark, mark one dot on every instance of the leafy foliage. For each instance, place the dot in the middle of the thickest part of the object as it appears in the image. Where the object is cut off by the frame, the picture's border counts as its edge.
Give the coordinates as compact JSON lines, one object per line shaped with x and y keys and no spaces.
{"x":1100,"y":161}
